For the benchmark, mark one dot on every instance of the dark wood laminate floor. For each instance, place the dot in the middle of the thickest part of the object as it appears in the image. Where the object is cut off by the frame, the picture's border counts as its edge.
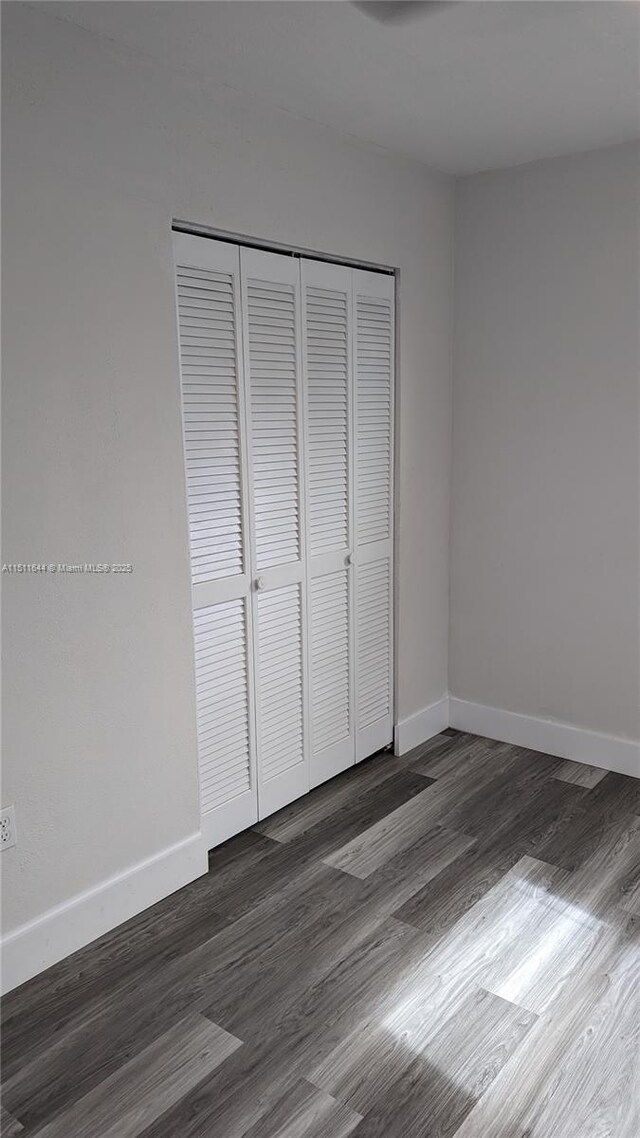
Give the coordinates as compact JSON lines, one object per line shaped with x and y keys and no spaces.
{"x":444,"y":944}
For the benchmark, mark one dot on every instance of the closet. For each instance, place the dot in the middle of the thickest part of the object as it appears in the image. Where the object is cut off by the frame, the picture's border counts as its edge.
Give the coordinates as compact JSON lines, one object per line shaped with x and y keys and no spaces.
{"x":286,"y":368}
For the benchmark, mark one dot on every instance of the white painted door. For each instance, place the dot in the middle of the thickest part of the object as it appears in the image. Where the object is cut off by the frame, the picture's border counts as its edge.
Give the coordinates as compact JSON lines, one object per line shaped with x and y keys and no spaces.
{"x":215,"y":446}
{"x":374,"y":397}
{"x":328,"y":400}
{"x":272,"y":350}
{"x":287,"y":393}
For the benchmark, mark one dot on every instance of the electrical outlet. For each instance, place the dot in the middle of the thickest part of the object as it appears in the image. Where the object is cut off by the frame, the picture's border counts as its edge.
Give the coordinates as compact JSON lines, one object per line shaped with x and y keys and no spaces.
{"x":8,"y":834}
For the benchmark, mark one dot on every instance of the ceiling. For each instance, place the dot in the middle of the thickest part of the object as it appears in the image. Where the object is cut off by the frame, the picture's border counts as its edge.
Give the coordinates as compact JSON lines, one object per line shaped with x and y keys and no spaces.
{"x":469,"y":86}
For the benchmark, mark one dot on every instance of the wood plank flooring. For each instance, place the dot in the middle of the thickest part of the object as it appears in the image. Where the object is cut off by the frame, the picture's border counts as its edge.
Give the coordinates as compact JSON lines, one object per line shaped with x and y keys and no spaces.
{"x":443,"y":944}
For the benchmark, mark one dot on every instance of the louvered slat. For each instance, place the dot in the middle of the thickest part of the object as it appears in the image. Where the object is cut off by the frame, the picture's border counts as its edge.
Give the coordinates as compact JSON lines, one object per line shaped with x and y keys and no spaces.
{"x":208,"y":359}
{"x":373,"y":627}
{"x":327,"y":381}
{"x":374,"y":417}
{"x":280,"y":666}
{"x":273,"y":366}
{"x":220,"y":634}
{"x":330,"y":665}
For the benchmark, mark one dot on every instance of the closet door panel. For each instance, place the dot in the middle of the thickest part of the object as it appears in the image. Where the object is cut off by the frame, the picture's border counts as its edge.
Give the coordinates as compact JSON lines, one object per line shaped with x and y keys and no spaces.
{"x":331,"y":671}
{"x":215,"y":450}
{"x":272,"y":319}
{"x":328,"y":393}
{"x":374,"y":362}
{"x":328,"y":390}
{"x":222,"y":690}
{"x":374,"y":393}
{"x":374,"y":655}
{"x":272,"y":340}
{"x":283,"y":767}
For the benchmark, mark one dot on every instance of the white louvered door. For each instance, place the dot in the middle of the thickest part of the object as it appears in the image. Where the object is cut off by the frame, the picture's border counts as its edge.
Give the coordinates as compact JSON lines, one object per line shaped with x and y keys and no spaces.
{"x":272,"y":347}
{"x":215,"y":448}
{"x":287,"y":387}
{"x":374,"y":397}
{"x":328,"y":389}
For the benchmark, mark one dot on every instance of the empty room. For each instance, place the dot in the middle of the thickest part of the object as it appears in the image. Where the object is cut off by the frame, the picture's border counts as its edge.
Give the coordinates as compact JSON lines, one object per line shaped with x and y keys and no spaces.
{"x":320,"y":800}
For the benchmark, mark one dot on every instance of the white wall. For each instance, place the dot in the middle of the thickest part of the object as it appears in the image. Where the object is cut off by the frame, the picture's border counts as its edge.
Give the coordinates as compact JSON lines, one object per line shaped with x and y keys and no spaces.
{"x":101,"y":150}
{"x":545,"y":600}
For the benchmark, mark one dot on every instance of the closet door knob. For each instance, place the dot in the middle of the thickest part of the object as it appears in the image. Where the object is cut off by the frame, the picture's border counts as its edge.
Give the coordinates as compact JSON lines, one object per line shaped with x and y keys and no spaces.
{"x":349,"y":559}
{"x":259,"y":583}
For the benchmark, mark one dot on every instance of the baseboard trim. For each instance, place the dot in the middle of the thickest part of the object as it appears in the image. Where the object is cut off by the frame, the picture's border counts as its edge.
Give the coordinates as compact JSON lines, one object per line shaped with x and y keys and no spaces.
{"x":44,"y":941}
{"x":409,"y":733}
{"x":547,"y":735}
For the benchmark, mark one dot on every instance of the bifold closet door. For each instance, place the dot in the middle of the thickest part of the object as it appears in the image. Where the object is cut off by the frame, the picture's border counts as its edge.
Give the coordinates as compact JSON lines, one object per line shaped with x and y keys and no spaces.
{"x":374,"y":397}
{"x":273,"y":377}
{"x":287,"y":393}
{"x":328,"y":391}
{"x":215,"y":444}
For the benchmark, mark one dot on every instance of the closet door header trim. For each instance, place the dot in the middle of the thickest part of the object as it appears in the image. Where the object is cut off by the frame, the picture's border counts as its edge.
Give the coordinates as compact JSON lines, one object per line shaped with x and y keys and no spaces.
{"x":299,"y":252}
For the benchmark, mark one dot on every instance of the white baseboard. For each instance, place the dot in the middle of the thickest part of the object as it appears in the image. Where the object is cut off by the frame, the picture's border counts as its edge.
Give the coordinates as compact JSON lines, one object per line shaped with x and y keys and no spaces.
{"x":550,"y":736}
{"x":37,"y":945}
{"x":409,"y":733}
{"x":40,"y":943}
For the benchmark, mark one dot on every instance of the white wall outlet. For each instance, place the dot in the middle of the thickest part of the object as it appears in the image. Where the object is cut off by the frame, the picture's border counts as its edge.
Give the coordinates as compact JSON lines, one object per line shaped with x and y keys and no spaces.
{"x":8,"y":833}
